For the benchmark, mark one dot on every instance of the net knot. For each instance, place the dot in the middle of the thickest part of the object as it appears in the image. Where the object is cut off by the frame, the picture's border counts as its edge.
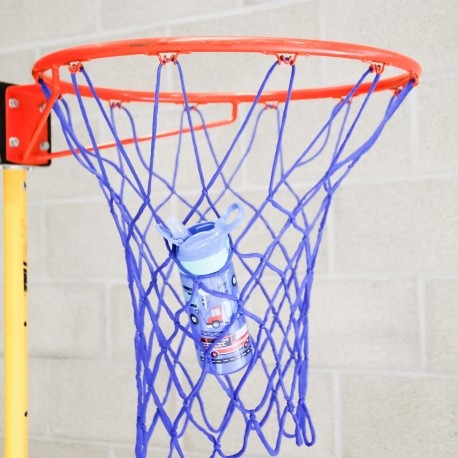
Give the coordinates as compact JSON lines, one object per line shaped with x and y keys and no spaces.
{"x":290,"y":406}
{"x":235,"y":401}
{"x":140,"y":336}
{"x":164,"y":345}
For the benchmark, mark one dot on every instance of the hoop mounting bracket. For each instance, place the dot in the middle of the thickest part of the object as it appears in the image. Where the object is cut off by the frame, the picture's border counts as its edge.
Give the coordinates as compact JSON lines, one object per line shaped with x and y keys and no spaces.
{"x":377,"y":67}
{"x":286,"y":59}
{"x":21,"y":108}
{"x":165,"y":58}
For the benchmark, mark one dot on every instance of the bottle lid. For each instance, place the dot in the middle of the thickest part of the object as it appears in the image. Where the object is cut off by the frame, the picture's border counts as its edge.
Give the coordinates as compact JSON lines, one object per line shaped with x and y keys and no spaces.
{"x":205,"y":243}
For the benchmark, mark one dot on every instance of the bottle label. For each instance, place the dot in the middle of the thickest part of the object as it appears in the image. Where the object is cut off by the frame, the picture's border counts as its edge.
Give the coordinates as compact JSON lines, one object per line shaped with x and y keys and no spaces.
{"x":226,"y":347}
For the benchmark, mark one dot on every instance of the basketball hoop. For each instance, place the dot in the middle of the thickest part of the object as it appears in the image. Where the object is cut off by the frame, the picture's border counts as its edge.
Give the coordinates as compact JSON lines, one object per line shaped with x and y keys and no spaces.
{"x":245,"y":313}
{"x":48,"y":70}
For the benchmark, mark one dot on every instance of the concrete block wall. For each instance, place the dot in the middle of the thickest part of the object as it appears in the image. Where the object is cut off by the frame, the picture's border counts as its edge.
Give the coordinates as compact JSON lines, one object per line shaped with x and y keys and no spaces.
{"x":384,"y":321}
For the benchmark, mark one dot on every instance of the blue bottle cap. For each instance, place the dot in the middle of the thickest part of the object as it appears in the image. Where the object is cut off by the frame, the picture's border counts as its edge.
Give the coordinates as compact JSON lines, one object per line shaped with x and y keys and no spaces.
{"x":204,"y":248}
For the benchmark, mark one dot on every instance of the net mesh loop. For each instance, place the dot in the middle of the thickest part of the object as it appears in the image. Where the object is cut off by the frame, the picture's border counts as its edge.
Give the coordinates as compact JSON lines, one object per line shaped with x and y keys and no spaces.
{"x":274,"y":257}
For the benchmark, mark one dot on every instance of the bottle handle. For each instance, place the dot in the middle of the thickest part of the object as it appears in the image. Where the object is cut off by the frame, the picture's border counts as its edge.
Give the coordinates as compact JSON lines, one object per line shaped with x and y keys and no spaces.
{"x":227,"y":222}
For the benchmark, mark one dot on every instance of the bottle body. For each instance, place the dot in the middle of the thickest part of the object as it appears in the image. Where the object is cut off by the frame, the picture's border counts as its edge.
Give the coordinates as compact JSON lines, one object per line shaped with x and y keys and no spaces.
{"x":203,"y":254}
{"x":221,"y":337}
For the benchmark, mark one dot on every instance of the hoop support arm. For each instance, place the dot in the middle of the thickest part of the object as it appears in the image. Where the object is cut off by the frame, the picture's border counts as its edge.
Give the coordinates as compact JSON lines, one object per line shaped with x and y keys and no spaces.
{"x":143,"y":138}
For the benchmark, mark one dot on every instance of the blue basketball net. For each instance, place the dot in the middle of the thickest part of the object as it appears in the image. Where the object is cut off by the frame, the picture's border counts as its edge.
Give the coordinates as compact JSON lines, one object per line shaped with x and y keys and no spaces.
{"x":183,"y":402}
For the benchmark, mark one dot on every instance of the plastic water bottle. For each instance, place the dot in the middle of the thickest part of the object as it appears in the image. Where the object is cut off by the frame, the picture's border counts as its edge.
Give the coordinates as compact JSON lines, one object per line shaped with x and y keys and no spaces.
{"x":222,"y":341}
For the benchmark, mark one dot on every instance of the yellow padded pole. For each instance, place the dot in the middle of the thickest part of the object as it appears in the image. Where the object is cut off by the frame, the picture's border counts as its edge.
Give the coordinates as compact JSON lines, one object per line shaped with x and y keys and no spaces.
{"x":15,"y":312}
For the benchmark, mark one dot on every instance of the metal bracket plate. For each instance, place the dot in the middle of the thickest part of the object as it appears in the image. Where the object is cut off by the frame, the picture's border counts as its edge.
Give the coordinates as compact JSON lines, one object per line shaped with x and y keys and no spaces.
{"x":21,"y":108}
